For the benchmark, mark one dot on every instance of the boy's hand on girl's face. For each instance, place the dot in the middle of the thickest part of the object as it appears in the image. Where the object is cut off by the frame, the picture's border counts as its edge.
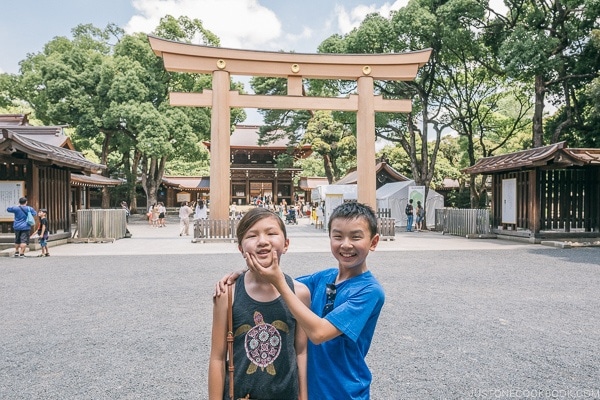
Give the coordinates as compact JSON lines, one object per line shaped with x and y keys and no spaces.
{"x":270,"y":272}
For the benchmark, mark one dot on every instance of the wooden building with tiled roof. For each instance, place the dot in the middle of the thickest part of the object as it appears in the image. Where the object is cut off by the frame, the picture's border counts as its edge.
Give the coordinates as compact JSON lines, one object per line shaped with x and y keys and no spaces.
{"x":545,"y":192}
{"x":384,"y":173}
{"x":83,"y":184}
{"x":40,"y":162}
{"x":254,"y":171}
{"x":42,"y":173}
{"x":175,"y":189}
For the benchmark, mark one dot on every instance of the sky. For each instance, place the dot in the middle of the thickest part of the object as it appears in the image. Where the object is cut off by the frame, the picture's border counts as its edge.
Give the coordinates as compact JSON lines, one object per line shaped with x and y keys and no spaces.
{"x":272,"y":25}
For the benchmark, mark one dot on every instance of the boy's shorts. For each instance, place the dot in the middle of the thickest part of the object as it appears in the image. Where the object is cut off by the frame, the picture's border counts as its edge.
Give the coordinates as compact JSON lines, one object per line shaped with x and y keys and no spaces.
{"x":21,"y":237}
{"x":44,"y":241}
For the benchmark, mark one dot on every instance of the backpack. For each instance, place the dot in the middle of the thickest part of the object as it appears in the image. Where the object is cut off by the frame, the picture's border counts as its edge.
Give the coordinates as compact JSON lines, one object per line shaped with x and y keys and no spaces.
{"x":408,"y":210}
{"x":30,"y":220}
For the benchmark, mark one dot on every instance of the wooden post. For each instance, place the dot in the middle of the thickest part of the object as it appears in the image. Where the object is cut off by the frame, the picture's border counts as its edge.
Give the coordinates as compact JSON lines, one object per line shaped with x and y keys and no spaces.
{"x":365,"y":142}
{"x":220,"y":186}
{"x":535,"y":216}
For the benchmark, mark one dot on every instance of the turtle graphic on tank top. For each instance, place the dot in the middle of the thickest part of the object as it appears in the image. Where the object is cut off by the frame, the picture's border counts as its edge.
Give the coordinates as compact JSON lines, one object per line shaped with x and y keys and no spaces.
{"x":263,"y":343}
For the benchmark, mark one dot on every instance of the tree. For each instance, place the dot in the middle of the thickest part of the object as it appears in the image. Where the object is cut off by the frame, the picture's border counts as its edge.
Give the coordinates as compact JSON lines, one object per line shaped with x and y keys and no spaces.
{"x":419,"y":25}
{"x":547,"y":44}
{"x":61,"y":84}
{"x":329,"y":139}
{"x":117,"y":98}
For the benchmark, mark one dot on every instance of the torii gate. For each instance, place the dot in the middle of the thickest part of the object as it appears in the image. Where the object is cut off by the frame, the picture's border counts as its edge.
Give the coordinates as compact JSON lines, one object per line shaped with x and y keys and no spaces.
{"x":223,"y":62}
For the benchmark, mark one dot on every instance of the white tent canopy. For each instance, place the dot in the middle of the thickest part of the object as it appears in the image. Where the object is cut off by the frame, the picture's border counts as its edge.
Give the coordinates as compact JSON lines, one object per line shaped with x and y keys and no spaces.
{"x":394,"y":195}
{"x":331,"y":196}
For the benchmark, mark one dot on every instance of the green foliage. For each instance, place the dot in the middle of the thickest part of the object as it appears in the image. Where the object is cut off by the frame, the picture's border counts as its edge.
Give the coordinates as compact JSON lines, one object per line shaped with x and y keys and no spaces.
{"x":311,"y":166}
{"x":187,"y":30}
{"x":329,"y":139}
{"x":397,"y":158}
{"x":284,"y":160}
{"x":7,"y":84}
{"x":116,"y":98}
{"x":181,"y":166}
{"x":548,"y":46}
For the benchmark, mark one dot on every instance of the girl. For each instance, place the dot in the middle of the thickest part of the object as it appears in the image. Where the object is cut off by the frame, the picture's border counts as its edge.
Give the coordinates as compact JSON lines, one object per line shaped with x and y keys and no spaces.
{"x":162,"y":214}
{"x":269,"y":350}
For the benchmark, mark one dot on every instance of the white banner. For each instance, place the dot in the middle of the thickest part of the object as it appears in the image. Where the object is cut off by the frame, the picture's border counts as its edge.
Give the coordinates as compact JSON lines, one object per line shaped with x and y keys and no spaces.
{"x":10,"y":193}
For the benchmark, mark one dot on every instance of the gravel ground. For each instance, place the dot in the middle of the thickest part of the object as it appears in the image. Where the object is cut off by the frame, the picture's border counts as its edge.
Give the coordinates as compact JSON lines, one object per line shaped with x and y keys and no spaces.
{"x":509,"y":323}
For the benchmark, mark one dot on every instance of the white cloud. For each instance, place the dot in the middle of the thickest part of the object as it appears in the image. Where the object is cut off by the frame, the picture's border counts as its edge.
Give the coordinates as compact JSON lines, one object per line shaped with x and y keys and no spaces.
{"x":238,"y":23}
{"x":306,"y":33}
{"x":348,"y":20}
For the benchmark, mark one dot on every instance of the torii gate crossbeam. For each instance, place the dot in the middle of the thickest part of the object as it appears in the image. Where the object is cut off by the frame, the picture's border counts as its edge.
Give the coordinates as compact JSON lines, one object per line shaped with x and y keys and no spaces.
{"x":222,"y":63}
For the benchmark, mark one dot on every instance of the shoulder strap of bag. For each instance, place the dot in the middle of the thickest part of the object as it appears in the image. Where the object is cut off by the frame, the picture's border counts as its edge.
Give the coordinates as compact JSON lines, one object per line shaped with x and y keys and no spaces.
{"x":230,"y":339}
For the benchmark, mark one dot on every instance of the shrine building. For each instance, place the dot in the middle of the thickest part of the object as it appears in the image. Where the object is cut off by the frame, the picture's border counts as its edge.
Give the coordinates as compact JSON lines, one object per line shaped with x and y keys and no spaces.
{"x":253,"y":172}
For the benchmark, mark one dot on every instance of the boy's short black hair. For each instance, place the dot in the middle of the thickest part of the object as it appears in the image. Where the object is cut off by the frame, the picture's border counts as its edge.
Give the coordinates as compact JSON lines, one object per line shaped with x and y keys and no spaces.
{"x":23,"y":200}
{"x":353,"y":210}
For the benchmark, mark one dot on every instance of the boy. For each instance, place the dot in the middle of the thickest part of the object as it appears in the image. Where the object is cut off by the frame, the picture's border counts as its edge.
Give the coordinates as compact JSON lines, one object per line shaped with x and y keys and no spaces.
{"x":43,"y":233}
{"x":345,"y":305}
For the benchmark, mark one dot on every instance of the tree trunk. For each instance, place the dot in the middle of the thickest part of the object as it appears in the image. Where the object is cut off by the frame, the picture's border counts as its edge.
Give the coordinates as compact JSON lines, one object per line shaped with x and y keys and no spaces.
{"x":538,"y":113}
{"x":474,"y":192}
{"x":104,"y":160}
{"x":105,"y":197}
{"x":328,"y":169}
{"x":132,"y":178}
{"x":152,"y":177}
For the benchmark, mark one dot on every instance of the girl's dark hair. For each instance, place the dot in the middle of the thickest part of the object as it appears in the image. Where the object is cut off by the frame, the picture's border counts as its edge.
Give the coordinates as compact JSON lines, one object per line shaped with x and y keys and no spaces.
{"x":252,"y":217}
{"x":200,"y":204}
{"x":355,"y":210}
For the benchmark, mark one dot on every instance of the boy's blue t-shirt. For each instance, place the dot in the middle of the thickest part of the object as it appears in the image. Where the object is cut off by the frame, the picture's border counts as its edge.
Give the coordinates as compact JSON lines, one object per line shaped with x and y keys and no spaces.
{"x":337,"y":368}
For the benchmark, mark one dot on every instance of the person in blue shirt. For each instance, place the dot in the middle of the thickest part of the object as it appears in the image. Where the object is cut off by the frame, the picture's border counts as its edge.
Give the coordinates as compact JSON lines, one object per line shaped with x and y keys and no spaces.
{"x":20,"y":225}
{"x":345,"y":305}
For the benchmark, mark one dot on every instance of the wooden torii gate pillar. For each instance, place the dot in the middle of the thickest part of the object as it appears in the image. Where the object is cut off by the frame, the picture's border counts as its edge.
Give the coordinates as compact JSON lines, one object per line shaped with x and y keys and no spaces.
{"x":222,"y":63}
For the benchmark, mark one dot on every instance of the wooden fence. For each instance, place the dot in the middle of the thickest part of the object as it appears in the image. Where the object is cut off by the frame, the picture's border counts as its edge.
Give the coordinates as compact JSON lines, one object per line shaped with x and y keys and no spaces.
{"x":462,"y":222}
{"x":100,"y":225}
{"x":384,"y":213}
{"x":386,"y":228}
{"x":213,"y":230}
{"x":210,"y":230}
